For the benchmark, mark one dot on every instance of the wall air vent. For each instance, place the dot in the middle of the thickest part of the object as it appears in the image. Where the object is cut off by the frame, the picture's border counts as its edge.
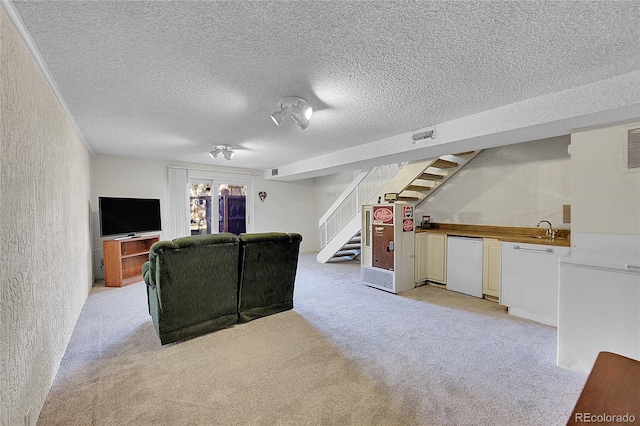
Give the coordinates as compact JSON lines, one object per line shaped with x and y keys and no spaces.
{"x":633,"y":149}
{"x":429,"y":134}
{"x":274,"y":172}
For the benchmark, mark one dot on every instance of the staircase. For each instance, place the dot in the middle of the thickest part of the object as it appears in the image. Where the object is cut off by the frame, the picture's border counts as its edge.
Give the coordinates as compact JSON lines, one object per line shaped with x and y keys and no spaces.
{"x":340,"y":226}
{"x":434,"y":176}
{"x":349,"y":251}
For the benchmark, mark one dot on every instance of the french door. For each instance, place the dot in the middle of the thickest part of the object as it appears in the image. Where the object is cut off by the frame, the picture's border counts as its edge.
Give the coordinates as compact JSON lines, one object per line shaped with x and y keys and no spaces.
{"x":219,"y":205}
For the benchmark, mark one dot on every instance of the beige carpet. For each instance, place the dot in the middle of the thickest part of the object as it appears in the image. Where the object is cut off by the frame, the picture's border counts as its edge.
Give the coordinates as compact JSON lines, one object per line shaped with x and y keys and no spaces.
{"x":346,"y":354}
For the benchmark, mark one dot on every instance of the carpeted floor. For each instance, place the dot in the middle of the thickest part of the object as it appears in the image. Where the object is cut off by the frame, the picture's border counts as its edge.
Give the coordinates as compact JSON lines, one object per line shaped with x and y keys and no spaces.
{"x":346,"y":354}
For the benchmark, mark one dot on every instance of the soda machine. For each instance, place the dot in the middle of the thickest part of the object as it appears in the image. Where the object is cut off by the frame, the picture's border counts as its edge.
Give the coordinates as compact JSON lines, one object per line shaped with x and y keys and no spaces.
{"x":389,"y":231}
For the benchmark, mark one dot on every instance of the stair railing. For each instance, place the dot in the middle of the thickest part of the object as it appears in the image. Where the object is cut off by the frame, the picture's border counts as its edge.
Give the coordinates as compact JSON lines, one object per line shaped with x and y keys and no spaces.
{"x":351,"y":205}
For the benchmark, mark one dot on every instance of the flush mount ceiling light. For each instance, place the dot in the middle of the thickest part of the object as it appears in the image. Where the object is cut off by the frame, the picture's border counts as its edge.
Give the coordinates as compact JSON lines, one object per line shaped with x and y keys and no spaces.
{"x":294,"y":107}
{"x":225,"y":150}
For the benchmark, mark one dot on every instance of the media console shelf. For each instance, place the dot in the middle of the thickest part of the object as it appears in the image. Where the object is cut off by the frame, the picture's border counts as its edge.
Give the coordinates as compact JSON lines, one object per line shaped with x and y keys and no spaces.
{"x":123,"y":259}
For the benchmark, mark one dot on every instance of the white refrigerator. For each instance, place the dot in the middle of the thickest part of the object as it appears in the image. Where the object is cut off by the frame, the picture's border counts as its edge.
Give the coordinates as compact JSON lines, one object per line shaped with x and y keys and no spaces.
{"x":464,"y":265}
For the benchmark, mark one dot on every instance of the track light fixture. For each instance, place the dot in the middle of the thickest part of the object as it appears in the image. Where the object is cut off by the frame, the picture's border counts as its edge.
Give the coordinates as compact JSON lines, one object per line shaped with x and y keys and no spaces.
{"x":295,"y":107}
{"x":225,"y":150}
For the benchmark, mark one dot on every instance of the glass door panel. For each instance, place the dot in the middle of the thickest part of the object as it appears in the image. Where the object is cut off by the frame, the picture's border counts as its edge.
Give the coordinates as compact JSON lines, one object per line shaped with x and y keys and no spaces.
{"x":232,"y":208}
{"x":200,"y":206}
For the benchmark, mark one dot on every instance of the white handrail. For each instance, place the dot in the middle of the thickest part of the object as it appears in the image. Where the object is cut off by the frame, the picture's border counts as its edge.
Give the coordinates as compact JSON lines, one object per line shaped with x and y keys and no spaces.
{"x":345,"y":194}
{"x":360,"y":194}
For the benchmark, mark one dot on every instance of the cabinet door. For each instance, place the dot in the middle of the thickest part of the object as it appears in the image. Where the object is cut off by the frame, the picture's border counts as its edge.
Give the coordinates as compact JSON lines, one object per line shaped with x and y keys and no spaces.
{"x":530,"y":281}
{"x":421,"y":257}
{"x":437,"y":257}
{"x":599,"y":310}
{"x":491,"y":267}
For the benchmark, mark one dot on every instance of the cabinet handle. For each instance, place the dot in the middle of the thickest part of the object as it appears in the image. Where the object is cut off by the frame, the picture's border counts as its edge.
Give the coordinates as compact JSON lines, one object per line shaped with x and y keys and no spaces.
{"x":547,"y":250}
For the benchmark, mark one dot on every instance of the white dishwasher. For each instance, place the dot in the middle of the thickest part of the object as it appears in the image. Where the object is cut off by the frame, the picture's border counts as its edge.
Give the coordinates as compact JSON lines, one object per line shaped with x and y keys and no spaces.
{"x":464,"y":265}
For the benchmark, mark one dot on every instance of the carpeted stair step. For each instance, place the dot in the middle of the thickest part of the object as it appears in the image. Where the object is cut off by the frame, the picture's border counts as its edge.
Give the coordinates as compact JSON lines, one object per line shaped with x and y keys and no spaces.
{"x":341,"y":259}
{"x":350,"y":252}
{"x":351,"y":246}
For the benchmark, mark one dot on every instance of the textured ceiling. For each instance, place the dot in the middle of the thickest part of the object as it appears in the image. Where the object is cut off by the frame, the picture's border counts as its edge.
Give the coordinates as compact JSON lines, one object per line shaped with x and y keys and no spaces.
{"x":169,"y":80}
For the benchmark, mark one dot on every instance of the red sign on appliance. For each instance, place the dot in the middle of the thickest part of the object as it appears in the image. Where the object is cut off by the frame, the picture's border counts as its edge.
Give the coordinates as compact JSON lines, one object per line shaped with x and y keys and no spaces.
{"x":383,"y":214}
{"x":407,"y":212}
{"x":407,"y":225}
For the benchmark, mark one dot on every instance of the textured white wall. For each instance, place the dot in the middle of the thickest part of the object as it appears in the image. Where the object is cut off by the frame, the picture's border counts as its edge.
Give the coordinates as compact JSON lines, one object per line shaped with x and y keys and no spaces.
{"x":45,"y":271}
{"x":606,"y":197}
{"x":329,"y":188}
{"x":513,"y":185}
{"x":289,"y":207}
{"x":124,"y":177}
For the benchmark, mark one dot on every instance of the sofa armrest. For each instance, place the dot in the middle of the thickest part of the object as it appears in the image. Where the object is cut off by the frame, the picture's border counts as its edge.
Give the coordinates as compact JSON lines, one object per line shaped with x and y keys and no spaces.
{"x":149,"y":268}
{"x":295,"y":237}
{"x":146,"y":274}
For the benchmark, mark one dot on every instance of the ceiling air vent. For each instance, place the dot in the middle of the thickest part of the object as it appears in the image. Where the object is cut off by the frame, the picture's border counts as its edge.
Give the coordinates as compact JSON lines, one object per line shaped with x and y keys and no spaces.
{"x":429,"y":134}
{"x":274,"y":172}
{"x":633,"y":149}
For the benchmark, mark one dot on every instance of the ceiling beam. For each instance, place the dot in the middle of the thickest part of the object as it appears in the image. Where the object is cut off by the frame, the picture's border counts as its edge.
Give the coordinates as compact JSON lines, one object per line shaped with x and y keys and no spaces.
{"x":603,"y":102}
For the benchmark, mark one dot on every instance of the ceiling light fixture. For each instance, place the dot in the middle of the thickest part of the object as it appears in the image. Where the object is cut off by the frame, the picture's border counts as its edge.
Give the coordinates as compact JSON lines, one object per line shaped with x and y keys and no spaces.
{"x":295,"y":107}
{"x":225,"y":150}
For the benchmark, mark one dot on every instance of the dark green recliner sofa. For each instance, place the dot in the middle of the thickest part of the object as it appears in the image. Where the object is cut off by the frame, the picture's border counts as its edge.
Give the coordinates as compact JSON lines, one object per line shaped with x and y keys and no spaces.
{"x":268,"y":263}
{"x":192,"y":285}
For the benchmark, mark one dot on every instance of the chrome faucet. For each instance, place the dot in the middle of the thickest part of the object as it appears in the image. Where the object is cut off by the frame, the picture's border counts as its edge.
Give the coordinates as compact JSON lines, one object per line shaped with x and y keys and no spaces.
{"x":550,"y":232}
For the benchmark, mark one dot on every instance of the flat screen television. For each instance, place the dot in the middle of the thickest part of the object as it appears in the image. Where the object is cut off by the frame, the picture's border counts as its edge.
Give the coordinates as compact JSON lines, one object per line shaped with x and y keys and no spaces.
{"x":128,"y":216}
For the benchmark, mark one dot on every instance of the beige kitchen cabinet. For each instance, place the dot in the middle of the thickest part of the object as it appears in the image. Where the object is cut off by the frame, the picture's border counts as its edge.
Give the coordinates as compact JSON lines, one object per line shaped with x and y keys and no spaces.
{"x":437,"y":257}
{"x":491,"y":268}
{"x":421,"y":257}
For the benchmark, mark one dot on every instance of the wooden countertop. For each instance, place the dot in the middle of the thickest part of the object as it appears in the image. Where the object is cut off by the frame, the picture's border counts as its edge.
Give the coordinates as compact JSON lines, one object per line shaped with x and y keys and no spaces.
{"x":514,"y":234}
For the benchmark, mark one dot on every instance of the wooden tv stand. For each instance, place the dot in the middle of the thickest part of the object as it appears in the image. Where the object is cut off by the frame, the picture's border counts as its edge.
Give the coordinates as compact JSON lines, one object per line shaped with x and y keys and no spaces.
{"x":123,"y":259}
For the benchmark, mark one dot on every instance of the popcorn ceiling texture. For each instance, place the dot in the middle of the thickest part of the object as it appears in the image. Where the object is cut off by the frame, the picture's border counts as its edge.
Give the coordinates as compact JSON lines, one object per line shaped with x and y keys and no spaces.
{"x":45,"y":272}
{"x":168,"y":80}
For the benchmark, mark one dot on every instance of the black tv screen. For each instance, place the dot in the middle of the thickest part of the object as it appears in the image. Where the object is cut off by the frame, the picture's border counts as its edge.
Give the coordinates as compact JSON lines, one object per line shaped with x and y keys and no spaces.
{"x":126,"y":216}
